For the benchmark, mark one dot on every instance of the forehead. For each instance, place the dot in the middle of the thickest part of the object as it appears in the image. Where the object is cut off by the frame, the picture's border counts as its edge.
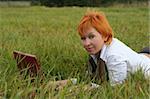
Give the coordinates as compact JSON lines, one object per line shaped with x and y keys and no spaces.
{"x":89,"y":31}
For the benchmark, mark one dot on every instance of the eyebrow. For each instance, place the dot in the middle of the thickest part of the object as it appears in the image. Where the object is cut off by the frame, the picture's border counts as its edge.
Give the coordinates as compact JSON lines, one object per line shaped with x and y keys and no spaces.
{"x":91,"y":33}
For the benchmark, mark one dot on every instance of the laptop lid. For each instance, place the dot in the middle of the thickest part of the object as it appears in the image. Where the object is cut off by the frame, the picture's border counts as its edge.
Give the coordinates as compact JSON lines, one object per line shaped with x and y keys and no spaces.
{"x":27,"y":63}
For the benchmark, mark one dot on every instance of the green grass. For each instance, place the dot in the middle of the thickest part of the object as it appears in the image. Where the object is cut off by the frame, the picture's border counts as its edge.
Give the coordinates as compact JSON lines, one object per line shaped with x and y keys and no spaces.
{"x":51,"y":34}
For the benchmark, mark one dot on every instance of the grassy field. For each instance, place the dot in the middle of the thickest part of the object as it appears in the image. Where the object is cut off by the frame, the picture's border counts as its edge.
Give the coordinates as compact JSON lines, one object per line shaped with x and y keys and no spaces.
{"x":51,"y":34}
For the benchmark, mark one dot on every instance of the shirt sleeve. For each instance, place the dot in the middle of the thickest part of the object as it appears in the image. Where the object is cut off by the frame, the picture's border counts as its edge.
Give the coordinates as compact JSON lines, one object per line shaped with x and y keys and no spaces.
{"x":117,"y":69}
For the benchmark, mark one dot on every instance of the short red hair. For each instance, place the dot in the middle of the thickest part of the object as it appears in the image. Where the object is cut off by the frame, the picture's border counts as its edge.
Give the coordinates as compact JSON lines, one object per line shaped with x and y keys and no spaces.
{"x":97,"y":21}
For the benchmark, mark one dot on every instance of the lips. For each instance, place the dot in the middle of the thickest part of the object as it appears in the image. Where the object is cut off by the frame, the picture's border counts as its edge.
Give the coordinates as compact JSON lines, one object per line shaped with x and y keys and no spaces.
{"x":89,"y":49}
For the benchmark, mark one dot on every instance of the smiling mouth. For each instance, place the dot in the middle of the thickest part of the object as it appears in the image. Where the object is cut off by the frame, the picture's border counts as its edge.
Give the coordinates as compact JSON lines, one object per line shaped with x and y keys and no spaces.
{"x":89,"y":49}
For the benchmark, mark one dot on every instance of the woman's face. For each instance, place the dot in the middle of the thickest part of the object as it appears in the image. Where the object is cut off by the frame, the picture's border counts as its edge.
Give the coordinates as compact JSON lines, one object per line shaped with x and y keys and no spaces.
{"x":92,"y":41}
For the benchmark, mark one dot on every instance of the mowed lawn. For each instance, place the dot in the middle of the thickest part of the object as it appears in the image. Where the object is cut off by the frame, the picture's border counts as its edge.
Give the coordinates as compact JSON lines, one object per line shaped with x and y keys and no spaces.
{"x":51,"y":34}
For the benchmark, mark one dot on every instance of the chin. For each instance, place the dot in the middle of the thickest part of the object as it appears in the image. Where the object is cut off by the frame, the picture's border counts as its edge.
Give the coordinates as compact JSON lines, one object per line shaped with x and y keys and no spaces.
{"x":92,"y":53}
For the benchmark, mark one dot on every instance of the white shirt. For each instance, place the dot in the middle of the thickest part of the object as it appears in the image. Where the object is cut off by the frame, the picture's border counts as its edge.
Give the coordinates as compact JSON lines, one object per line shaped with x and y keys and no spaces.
{"x":120,"y":59}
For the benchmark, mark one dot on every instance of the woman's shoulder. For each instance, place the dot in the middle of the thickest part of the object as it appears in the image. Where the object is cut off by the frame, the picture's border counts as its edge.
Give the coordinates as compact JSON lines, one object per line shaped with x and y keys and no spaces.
{"x":116,"y":46}
{"x":115,"y":50}
{"x":118,"y":49}
{"x":116,"y":43}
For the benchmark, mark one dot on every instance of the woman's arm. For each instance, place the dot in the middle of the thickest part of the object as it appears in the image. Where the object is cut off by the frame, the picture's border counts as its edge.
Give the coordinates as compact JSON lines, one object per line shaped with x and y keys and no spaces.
{"x":117,"y":69}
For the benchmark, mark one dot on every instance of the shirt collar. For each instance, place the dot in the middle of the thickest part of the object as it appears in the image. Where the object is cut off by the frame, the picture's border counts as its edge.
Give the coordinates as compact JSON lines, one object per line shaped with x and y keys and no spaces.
{"x":103,"y":51}
{"x":102,"y":54}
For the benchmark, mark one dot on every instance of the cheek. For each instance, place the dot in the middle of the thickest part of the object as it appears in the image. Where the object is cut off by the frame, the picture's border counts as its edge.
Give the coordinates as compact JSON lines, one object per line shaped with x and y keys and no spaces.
{"x":83,"y":43}
{"x":99,"y":44}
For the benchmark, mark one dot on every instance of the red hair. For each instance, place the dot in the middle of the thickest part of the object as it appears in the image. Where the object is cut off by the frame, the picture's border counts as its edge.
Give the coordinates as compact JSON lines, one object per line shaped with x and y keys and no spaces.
{"x":97,"y":21}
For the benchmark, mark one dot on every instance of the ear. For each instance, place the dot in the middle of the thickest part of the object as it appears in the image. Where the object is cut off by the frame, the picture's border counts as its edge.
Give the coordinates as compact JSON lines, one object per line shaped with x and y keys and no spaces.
{"x":105,"y":39}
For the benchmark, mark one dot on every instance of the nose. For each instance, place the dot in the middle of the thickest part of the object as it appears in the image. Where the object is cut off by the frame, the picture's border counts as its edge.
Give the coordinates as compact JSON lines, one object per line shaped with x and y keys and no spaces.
{"x":86,"y":42}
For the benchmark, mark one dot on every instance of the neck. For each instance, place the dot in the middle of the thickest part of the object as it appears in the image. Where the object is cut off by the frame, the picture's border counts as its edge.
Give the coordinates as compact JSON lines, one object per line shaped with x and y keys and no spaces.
{"x":97,"y":55}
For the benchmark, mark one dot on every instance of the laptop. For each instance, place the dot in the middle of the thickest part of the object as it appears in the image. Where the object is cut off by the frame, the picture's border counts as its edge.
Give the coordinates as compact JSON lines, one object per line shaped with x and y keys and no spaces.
{"x":27,"y":64}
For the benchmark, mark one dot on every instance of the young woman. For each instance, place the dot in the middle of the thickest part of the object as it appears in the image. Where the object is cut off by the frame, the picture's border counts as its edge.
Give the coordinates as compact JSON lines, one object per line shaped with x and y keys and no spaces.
{"x":109,"y":57}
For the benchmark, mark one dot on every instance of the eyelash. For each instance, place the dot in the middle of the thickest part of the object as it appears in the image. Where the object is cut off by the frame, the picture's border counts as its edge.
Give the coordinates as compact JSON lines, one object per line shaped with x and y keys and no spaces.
{"x":83,"y":38}
{"x":91,"y":36}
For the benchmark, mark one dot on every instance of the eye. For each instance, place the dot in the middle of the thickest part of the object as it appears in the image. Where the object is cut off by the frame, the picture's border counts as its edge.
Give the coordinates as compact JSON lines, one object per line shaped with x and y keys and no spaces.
{"x":91,"y":36}
{"x":83,"y":38}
